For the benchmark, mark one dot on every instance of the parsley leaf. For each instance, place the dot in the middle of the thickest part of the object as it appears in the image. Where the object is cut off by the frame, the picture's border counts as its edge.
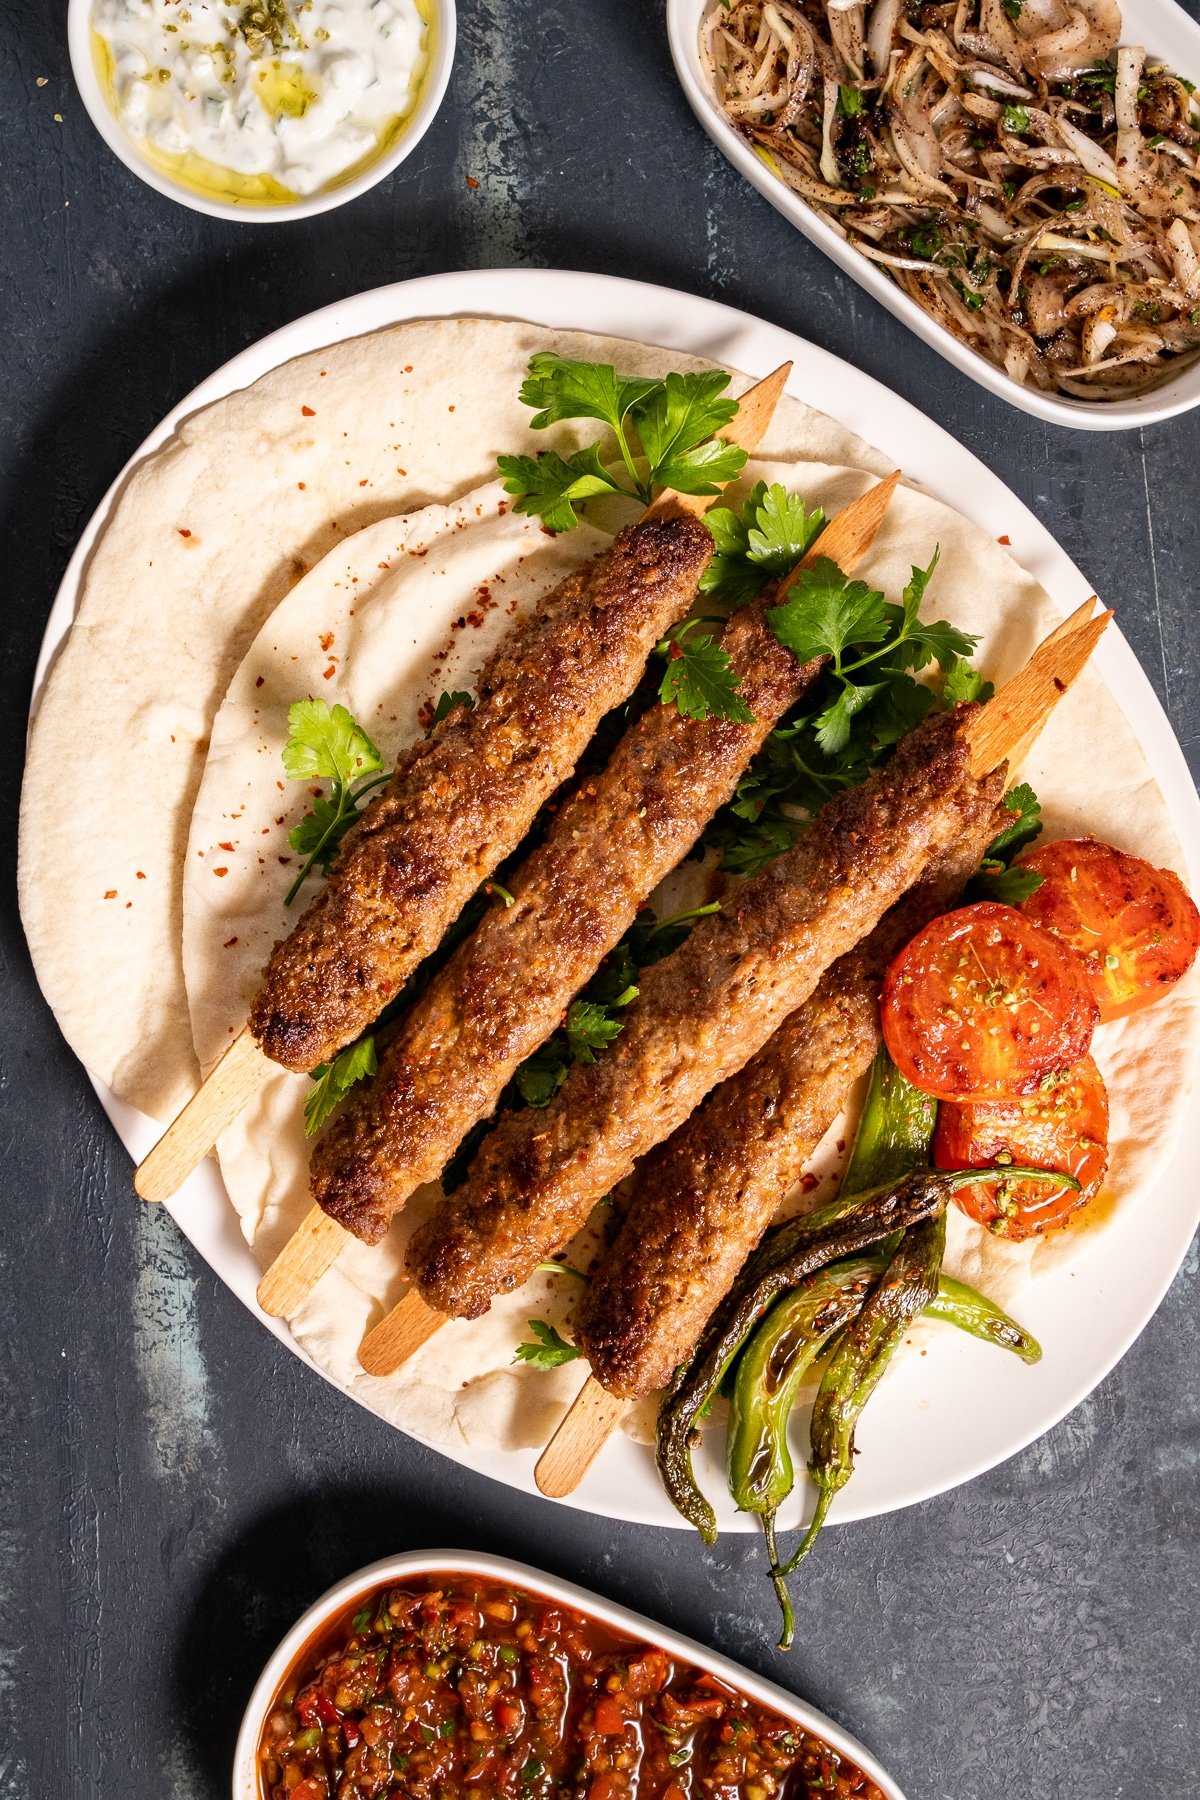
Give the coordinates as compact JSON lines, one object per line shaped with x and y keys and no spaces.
{"x":549,"y":485}
{"x":589,"y":1029}
{"x":664,"y":426}
{"x":564,"y":389}
{"x":327,"y":744}
{"x":770,"y":535}
{"x":700,"y":679}
{"x":996,"y":880}
{"x":541,"y":1075}
{"x":446,"y":703}
{"x":1026,"y":825}
{"x":825,"y":612}
{"x":677,"y":414}
{"x":1008,"y":886}
{"x":334,"y":1081}
{"x":961,"y":682}
{"x":548,"y":1351}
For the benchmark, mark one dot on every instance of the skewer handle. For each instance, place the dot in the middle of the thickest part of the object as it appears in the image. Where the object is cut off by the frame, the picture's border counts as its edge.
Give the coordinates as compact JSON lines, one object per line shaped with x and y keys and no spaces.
{"x":313,"y":1247}
{"x":590,"y":1421}
{"x":216,"y":1103}
{"x":400,"y":1335}
{"x":1009,"y":722}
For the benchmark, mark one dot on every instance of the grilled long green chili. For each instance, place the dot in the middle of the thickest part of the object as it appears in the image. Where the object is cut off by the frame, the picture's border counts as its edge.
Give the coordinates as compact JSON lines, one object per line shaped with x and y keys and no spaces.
{"x":847,"y":1226}
{"x":782,"y":1351}
{"x":907,"y":1286}
{"x":895,"y":1130}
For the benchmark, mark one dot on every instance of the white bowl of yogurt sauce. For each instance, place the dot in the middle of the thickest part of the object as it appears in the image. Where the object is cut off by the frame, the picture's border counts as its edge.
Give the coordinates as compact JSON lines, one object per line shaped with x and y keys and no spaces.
{"x":261,"y":110}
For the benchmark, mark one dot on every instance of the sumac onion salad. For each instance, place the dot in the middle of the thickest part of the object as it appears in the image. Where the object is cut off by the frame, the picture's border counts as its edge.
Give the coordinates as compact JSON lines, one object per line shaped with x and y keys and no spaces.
{"x":1028,"y":182}
{"x":458,"y":1685}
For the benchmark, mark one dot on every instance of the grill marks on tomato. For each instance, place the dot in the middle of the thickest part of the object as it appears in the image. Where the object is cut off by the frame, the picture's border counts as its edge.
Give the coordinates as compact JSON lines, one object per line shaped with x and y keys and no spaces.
{"x":459,"y":1686}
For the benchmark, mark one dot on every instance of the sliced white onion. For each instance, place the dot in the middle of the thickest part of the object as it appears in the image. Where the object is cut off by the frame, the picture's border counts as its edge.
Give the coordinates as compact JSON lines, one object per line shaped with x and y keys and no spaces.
{"x":846,"y":35}
{"x":885,"y":16}
{"x":1001,"y":84}
{"x":829,"y":168}
{"x":1054,"y":240}
{"x":1098,"y":333}
{"x":1090,"y":156}
{"x":1183,"y":255}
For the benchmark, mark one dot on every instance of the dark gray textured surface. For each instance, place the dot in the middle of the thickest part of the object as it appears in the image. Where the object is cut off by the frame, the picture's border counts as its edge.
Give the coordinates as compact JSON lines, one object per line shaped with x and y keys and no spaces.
{"x":177,"y":1487}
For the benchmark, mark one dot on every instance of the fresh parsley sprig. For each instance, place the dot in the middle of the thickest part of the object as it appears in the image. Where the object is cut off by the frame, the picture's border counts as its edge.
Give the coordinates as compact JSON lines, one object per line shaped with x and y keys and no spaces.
{"x":700,"y":680}
{"x":326,"y":744}
{"x":866,"y":699}
{"x":549,"y":1350}
{"x":997,"y":879}
{"x":761,"y":541}
{"x":664,"y":431}
{"x":768,"y":536}
{"x":333,"y":1081}
{"x":591,"y":1023}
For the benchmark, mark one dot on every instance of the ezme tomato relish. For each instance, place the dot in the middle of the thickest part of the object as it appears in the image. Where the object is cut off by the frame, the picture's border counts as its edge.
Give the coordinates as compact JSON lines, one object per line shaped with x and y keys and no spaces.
{"x":457,"y":1685}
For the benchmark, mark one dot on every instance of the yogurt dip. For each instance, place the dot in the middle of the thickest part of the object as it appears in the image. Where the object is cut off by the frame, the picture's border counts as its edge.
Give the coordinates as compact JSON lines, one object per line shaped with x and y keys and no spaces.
{"x":268,"y":101}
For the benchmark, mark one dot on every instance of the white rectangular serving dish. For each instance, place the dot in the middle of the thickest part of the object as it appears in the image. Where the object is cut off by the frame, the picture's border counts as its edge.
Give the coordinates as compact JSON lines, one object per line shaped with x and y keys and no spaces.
{"x":1163,"y":28}
{"x":396,"y":1570}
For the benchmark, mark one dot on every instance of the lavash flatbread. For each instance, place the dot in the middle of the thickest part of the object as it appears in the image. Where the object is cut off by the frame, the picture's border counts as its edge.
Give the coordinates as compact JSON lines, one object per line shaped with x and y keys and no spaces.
{"x":205,"y":538}
{"x":462,"y":1386}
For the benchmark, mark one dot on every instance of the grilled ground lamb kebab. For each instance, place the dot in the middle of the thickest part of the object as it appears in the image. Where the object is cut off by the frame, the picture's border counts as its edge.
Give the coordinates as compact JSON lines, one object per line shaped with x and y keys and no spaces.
{"x":505,"y":989}
{"x":702,"y":1013}
{"x":701,"y":1201}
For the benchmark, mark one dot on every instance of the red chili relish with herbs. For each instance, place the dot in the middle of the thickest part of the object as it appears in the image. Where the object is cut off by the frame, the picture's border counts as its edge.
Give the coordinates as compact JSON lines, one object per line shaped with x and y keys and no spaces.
{"x":457,"y":1685}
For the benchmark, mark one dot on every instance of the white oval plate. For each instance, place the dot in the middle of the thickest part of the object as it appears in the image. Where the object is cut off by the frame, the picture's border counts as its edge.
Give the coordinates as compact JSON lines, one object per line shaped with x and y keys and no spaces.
{"x":1164,"y":29}
{"x":396,"y":1570}
{"x":931,"y":1432}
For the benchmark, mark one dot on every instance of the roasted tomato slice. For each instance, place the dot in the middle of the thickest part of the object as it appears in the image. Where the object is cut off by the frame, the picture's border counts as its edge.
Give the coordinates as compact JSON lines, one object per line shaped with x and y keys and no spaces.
{"x":1136,"y":927}
{"x":1063,"y":1126}
{"x":983,"y":1004}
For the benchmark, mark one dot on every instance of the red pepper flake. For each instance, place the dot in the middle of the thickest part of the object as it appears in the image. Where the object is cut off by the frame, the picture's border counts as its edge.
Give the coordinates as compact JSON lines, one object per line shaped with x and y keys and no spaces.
{"x":331,"y":670}
{"x":308,"y":412}
{"x":140,"y":875}
{"x":228,"y":847}
{"x":285,"y":860}
{"x":363,"y":482}
{"x":260,"y":681}
{"x":449,"y":409}
{"x":230,"y":942}
{"x":110,"y":893}
{"x":808,"y":1183}
{"x":183,"y":532}
{"x":401,"y":471}
{"x":302,"y":485}
{"x":471,"y":182}
{"x":502,"y":508}
{"x":408,"y":368}
{"x":326,"y":638}
{"x":221,"y":871}
{"x":1004,"y":540}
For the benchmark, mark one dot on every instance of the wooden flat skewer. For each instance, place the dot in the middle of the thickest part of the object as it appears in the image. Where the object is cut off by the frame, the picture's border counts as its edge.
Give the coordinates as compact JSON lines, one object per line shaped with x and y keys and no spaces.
{"x":1021,"y":707}
{"x":234,"y":1081}
{"x":586,"y":1427}
{"x":846,"y":540}
{"x":400,"y":1335}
